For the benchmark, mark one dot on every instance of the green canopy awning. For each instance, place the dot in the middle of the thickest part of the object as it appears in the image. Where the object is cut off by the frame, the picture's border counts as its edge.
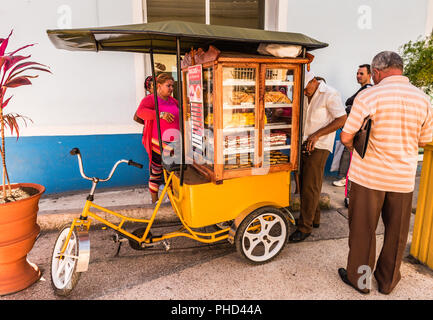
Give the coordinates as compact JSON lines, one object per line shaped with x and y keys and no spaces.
{"x":161,"y":36}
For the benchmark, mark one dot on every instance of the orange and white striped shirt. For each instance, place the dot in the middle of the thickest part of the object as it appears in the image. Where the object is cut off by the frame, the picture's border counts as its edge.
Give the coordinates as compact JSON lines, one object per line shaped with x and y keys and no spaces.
{"x":401,"y":118}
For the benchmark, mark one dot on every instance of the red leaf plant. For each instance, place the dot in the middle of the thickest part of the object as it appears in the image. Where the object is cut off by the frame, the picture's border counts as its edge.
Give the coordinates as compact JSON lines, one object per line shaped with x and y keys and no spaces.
{"x":13,"y":74}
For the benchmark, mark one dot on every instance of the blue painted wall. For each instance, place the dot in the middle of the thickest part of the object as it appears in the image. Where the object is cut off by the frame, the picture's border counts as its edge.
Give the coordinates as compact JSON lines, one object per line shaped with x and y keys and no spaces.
{"x":46,"y":160}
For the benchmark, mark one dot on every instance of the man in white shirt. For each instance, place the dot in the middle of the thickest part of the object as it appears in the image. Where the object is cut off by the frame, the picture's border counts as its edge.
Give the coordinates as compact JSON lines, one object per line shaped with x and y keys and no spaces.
{"x":323,"y":114}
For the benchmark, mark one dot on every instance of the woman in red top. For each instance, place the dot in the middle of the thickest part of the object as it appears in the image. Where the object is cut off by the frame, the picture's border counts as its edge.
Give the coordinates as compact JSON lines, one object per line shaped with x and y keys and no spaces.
{"x":169,"y":124}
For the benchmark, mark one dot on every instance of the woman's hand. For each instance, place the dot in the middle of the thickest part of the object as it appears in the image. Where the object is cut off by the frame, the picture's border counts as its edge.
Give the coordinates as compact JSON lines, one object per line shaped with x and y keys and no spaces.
{"x":167,"y":116}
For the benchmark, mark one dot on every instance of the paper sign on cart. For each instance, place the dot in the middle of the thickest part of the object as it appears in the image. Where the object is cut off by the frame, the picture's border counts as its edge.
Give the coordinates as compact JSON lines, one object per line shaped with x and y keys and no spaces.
{"x":195,"y":82}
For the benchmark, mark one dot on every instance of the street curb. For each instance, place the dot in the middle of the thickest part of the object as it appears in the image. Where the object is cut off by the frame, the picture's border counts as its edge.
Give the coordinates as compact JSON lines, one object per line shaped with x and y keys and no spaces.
{"x":55,"y":221}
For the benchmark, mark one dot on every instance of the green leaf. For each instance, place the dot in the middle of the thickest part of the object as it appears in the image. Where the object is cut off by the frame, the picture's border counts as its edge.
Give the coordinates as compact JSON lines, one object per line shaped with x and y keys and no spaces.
{"x":418,"y":63}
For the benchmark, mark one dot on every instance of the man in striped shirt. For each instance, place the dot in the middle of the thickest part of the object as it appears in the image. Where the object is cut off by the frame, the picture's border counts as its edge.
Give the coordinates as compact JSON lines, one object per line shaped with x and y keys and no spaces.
{"x":383,"y":181}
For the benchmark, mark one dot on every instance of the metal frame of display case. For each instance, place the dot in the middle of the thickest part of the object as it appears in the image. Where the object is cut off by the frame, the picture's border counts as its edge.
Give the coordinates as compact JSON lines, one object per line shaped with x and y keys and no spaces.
{"x":218,"y":173}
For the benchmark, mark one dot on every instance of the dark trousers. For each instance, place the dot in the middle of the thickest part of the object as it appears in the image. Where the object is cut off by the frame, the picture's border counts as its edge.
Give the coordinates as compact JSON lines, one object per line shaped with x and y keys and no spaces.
{"x":365,"y":207}
{"x":311,"y":179}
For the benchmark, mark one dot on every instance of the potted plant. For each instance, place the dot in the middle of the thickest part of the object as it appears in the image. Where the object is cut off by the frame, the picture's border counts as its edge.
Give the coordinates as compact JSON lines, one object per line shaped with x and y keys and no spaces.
{"x":18,"y":202}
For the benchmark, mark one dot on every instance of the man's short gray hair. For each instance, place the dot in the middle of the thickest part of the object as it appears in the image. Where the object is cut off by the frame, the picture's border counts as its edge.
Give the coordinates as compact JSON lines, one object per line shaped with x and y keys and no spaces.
{"x":387,"y":59}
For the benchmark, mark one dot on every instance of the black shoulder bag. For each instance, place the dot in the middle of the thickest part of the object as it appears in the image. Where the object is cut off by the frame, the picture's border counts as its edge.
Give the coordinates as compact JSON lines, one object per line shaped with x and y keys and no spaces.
{"x":360,"y":141}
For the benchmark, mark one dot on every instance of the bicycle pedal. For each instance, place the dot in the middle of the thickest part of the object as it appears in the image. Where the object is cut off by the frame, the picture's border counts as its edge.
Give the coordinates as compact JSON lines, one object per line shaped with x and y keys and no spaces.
{"x":166,"y":245}
{"x":118,"y":238}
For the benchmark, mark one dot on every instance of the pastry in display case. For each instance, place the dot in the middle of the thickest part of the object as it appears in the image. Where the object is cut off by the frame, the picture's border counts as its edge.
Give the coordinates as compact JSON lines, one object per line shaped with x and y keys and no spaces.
{"x":239,"y":117}
{"x":276,"y":97}
{"x":278,"y":109}
{"x":250,"y":115}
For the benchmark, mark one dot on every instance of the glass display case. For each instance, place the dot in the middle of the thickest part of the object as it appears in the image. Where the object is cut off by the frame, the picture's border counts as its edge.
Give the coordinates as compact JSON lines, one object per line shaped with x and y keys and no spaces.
{"x":250,"y":116}
{"x":208,"y":138}
{"x":239,"y":117}
{"x":278,"y":113}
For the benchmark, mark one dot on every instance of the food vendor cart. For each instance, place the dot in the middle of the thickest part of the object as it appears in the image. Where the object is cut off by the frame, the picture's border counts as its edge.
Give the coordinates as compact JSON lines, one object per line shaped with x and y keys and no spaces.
{"x":241,"y":130}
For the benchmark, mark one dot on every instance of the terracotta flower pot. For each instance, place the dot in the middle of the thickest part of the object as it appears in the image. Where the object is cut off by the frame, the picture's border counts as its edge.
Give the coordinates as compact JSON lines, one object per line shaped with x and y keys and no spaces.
{"x":18,"y":232}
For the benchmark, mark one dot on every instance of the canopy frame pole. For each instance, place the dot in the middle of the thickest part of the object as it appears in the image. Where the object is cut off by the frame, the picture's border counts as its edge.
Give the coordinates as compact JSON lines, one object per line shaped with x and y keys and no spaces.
{"x":180,"y":101}
{"x":301,"y":116}
{"x":155,"y":96}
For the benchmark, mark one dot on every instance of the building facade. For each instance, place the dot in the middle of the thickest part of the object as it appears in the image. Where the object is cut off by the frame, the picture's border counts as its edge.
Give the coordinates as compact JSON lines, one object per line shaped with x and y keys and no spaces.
{"x":90,"y":98}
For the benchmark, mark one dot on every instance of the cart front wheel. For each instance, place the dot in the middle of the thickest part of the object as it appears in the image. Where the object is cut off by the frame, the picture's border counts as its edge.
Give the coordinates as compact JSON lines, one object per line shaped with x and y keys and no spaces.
{"x":262,"y":235}
{"x":63,"y":266}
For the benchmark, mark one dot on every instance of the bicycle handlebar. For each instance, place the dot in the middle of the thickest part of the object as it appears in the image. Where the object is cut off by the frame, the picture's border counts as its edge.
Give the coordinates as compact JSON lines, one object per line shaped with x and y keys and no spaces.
{"x":135,"y":164}
{"x":76,"y":151}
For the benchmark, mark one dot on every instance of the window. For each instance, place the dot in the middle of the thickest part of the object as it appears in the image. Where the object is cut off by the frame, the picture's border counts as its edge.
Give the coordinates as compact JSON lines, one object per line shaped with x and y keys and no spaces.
{"x":235,"y":13}
{"x":240,"y":13}
{"x":185,"y":10}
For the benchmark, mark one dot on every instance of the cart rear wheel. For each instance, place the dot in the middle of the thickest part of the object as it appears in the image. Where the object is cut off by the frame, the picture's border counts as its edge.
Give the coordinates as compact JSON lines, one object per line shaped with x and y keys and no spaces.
{"x":262,"y":235}
{"x":63,"y":267}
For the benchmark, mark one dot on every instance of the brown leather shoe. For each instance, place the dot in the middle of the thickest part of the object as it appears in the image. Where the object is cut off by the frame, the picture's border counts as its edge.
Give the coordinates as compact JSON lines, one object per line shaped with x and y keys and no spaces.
{"x":343,"y":275}
{"x":298,"y":236}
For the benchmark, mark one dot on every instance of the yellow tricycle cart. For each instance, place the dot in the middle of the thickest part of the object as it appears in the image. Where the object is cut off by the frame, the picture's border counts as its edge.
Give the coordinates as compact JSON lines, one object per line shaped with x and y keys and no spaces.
{"x":241,"y":94}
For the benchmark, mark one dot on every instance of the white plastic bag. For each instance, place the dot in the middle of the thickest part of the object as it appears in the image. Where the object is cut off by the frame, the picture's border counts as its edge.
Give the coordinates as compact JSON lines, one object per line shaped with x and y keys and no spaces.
{"x":279,"y":50}
{"x":338,"y":152}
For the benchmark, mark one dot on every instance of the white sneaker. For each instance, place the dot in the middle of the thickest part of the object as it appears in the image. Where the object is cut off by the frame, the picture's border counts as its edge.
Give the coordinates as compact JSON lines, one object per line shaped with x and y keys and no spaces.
{"x":340,"y":183}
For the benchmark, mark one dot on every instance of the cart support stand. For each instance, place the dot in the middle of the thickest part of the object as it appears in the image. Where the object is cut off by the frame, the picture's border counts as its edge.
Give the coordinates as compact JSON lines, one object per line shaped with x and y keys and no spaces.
{"x":180,"y":99}
{"x":301,"y":116}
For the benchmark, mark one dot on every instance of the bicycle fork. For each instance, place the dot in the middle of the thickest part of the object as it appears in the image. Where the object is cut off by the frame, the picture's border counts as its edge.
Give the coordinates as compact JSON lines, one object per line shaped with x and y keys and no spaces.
{"x":82,"y":234}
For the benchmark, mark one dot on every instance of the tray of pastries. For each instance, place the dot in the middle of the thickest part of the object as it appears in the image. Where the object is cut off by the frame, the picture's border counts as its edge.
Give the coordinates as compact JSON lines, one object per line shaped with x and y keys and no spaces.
{"x":276,"y":97}
{"x":275,"y":157}
{"x":233,"y":142}
{"x":238,"y":161}
{"x":239,"y":97}
{"x":245,"y":119}
{"x":275,"y":139}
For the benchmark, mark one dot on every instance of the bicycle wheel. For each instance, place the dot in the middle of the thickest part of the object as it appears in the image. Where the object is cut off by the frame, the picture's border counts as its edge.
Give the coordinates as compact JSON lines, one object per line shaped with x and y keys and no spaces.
{"x":262,"y":235}
{"x":63,"y":267}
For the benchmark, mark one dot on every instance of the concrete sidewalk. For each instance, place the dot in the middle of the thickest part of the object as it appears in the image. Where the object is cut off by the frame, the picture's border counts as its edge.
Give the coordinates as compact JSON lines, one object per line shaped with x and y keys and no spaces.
{"x":302,"y":271}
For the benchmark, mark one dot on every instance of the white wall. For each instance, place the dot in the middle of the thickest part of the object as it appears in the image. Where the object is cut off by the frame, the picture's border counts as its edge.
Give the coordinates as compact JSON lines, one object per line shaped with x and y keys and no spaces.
{"x":429,"y":18}
{"x":88,"y":93}
{"x":91,"y":93}
{"x":355,"y":30}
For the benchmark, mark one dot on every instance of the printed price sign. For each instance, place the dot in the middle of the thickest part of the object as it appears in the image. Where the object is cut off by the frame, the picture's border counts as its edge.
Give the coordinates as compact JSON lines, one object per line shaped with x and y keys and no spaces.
{"x":195,"y":82}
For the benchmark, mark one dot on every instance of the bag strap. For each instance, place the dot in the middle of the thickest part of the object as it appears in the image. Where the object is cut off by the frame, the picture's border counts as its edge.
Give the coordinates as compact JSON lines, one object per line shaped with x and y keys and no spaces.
{"x":364,"y":124}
